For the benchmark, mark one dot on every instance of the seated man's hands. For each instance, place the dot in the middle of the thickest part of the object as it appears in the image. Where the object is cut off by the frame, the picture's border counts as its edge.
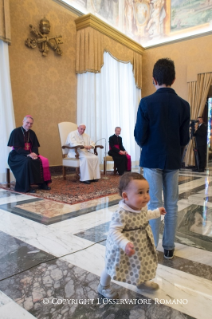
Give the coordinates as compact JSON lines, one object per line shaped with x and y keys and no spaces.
{"x":122,"y":152}
{"x":87,"y":147}
{"x":33,"y":155}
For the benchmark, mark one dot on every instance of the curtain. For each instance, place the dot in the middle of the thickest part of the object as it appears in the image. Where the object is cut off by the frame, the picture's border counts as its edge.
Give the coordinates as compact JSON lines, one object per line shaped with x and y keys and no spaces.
{"x":197,"y":96}
{"x":5,"y":32}
{"x":7,"y":122}
{"x":109,"y":99}
{"x":90,"y":48}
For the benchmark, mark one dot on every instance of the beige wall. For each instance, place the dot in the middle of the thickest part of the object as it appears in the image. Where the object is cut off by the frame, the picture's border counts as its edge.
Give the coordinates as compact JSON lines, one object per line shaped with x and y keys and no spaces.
{"x":44,"y":87}
{"x":190,"y":57}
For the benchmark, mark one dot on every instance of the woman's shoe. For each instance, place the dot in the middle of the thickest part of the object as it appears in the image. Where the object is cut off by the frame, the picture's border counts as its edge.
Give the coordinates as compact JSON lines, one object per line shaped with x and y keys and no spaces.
{"x":148,"y":286}
{"x":107,"y":292}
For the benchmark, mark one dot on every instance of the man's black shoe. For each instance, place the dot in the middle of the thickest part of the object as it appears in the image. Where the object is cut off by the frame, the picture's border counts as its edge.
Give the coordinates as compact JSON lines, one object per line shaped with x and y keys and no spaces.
{"x":94,"y":180}
{"x":32,"y":191}
{"x":168,"y":254}
{"x":85,"y":182}
{"x":45,"y":187}
{"x":195,"y":169}
{"x":201,"y":170}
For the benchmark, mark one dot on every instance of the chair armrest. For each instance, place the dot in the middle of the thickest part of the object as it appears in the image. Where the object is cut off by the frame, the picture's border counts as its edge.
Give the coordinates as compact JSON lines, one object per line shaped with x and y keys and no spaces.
{"x":95,"y":151}
{"x":74,"y":148}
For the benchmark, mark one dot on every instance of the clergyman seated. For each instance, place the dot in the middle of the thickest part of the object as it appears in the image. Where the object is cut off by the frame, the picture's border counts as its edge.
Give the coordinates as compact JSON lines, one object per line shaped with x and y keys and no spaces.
{"x":28,"y":167}
{"x":89,"y":163}
{"x":120,"y":156}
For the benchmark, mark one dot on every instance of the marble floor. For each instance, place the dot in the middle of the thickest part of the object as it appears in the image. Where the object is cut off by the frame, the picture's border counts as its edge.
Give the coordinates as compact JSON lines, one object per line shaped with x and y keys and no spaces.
{"x":52,"y":254}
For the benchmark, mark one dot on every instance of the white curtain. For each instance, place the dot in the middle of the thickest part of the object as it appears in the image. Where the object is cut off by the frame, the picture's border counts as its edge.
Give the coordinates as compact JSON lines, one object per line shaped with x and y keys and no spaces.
{"x":7,"y":121}
{"x":109,"y":99}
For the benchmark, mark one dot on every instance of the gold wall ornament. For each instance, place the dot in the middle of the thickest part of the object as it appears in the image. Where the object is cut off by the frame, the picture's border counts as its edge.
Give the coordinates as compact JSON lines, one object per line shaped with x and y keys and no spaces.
{"x":42,"y":41}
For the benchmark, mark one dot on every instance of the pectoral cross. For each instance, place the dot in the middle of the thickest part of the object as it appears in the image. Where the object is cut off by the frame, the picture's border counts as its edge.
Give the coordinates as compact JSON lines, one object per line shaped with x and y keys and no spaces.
{"x":27,"y":146}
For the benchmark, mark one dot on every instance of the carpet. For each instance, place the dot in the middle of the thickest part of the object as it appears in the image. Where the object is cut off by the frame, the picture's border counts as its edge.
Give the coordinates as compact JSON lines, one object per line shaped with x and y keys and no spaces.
{"x":71,"y":192}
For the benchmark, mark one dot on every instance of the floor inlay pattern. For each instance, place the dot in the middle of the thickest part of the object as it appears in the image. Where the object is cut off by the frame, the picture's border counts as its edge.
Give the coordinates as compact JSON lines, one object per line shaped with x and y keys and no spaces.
{"x":7,"y":194}
{"x":16,"y":256}
{"x":52,"y":254}
{"x":186,"y":194}
{"x":48,"y":212}
{"x":186,"y":179}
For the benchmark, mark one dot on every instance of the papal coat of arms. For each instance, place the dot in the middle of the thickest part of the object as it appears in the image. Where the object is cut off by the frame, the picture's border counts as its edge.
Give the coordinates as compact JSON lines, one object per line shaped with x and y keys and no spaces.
{"x":42,"y":41}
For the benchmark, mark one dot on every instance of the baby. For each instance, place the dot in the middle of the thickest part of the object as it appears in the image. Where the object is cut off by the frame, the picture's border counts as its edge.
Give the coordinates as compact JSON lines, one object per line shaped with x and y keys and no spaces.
{"x":130,"y":251}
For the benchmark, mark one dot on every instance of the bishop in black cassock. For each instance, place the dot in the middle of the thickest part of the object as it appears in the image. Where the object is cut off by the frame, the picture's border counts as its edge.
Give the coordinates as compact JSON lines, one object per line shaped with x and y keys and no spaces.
{"x":121,"y":158}
{"x":24,"y":160}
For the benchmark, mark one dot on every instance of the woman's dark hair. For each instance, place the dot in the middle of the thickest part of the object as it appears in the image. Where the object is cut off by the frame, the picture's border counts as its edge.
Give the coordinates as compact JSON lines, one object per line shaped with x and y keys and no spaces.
{"x":126,"y":179}
{"x":164,"y":72}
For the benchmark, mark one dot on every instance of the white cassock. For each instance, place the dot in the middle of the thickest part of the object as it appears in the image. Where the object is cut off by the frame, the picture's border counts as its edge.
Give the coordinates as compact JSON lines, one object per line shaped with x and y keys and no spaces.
{"x":89,"y":163}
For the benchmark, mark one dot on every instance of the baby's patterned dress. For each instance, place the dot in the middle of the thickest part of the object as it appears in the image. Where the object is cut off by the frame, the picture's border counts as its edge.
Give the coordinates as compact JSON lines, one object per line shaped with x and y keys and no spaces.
{"x":143,"y":264}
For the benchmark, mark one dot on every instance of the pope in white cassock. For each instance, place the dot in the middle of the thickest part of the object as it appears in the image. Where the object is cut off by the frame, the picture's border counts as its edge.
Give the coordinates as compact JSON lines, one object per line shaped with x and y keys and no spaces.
{"x":89,"y":163}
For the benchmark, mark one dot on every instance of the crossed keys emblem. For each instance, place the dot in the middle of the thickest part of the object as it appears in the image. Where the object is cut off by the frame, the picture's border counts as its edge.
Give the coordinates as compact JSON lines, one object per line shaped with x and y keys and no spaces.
{"x":42,"y":41}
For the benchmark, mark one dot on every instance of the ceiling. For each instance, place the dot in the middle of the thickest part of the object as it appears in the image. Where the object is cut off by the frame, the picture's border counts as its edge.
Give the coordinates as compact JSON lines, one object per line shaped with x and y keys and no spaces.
{"x":152,"y":22}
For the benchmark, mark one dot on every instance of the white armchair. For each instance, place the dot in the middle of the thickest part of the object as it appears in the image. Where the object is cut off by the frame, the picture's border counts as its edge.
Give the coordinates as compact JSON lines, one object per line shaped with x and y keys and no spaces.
{"x":64,"y":129}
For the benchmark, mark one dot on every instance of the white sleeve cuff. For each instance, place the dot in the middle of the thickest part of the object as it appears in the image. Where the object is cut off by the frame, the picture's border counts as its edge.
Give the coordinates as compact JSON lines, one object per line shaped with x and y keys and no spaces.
{"x":152,"y":214}
{"x":123,"y":244}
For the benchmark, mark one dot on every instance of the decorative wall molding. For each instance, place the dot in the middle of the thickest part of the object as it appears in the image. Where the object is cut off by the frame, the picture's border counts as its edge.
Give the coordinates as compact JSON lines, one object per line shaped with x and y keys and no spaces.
{"x":89,"y":20}
{"x":190,"y":37}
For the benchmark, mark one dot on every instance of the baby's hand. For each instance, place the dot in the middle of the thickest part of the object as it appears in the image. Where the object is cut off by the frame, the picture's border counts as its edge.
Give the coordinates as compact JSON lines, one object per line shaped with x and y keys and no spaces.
{"x":129,"y":249}
{"x":162,"y":210}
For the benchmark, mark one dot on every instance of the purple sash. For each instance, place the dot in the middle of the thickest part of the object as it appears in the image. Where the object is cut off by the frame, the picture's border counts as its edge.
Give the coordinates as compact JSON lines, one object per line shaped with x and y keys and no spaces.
{"x":46,"y":171}
{"x":128,"y":158}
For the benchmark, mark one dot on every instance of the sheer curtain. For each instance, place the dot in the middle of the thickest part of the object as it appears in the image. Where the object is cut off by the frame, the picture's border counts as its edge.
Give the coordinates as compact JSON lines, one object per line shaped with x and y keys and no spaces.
{"x":109,"y":99}
{"x":7,"y":122}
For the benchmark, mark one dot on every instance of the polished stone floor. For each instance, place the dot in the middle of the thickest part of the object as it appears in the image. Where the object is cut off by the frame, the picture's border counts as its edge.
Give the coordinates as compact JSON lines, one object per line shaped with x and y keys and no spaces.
{"x":52,"y":254}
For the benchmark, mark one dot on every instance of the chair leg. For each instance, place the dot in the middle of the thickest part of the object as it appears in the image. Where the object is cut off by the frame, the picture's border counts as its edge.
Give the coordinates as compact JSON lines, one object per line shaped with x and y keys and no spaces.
{"x":114,"y":169}
{"x":77,"y":173}
{"x":64,"y":172}
{"x":105,"y":164}
{"x":8,"y":176}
